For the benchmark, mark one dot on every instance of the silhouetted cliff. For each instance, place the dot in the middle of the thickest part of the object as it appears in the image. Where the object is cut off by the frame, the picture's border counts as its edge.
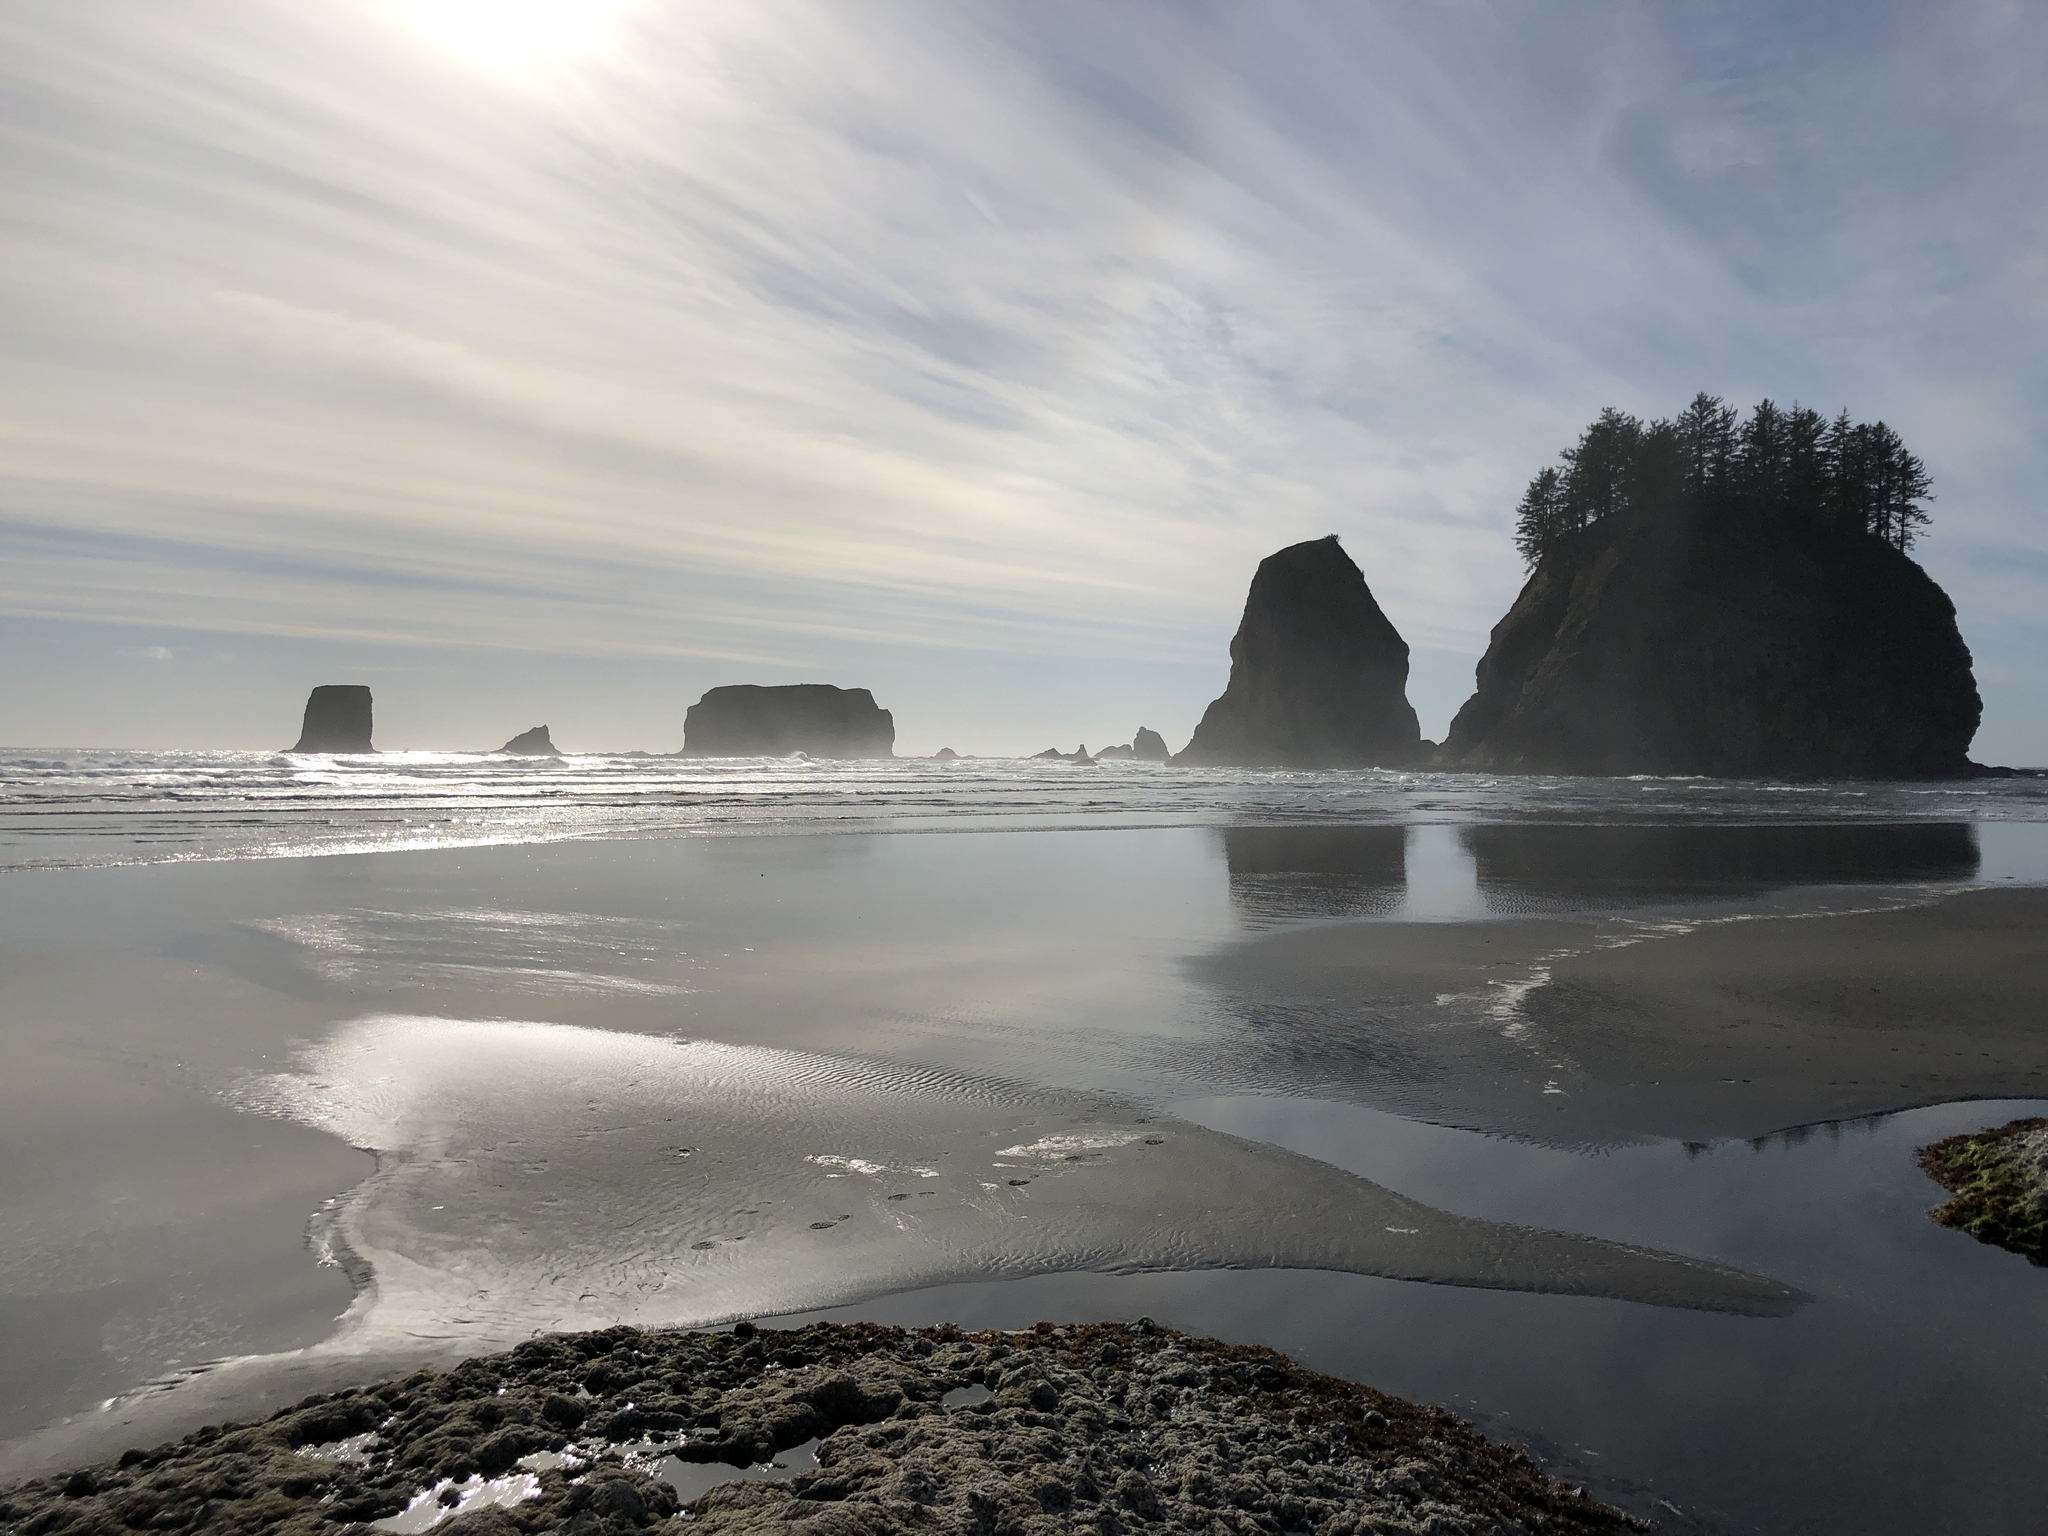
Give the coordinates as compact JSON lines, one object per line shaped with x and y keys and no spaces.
{"x":1682,"y":640}
{"x":1318,"y":676}
{"x":337,"y":719}
{"x":814,"y":718}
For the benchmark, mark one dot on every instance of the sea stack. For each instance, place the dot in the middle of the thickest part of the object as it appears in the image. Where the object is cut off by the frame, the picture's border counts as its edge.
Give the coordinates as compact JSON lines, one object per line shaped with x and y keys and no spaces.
{"x":337,"y":720}
{"x":533,"y":743}
{"x":1685,"y":643}
{"x":813,"y":718}
{"x":1149,"y":746}
{"x":1318,"y":676}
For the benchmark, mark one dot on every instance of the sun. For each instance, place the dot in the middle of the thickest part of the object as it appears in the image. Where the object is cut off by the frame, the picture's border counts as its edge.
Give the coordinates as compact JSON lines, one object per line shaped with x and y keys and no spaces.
{"x":512,"y":36}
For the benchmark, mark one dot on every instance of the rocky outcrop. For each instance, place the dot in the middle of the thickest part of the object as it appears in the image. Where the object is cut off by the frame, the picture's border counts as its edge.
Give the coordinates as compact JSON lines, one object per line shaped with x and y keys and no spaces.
{"x":533,"y":743}
{"x":1145,"y":747}
{"x":946,"y":755}
{"x":337,"y":720}
{"x":1687,"y":643}
{"x":813,"y":718}
{"x":1054,"y":754}
{"x":2000,"y":1182}
{"x":1093,"y":1427}
{"x":1318,"y":676}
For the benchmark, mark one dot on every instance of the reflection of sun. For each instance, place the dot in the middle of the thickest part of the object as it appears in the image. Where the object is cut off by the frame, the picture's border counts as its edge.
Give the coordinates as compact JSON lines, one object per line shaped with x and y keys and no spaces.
{"x":511,"y":35}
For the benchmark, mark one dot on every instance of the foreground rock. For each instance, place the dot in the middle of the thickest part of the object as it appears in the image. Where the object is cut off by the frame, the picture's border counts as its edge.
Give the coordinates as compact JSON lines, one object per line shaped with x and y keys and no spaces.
{"x":1318,"y":676}
{"x":813,"y":718}
{"x":337,"y":720}
{"x":2000,"y":1182}
{"x":1686,"y":644}
{"x":1101,"y":1428}
{"x":533,"y":743}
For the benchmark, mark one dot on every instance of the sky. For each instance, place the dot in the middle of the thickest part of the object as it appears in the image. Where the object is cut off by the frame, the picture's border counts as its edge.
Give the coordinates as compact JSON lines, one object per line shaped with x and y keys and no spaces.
{"x":556,"y":360}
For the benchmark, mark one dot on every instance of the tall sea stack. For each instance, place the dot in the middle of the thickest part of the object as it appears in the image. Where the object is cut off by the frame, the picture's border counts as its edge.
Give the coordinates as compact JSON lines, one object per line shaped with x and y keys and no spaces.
{"x":1318,"y":676}
{"x":1679,"y":642}
{"x":813,"y":718}
{"x":337,"y":720}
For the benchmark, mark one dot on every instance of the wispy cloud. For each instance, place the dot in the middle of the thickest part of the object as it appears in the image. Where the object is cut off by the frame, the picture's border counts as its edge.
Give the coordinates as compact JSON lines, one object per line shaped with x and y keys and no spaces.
{"x":743,"y":331}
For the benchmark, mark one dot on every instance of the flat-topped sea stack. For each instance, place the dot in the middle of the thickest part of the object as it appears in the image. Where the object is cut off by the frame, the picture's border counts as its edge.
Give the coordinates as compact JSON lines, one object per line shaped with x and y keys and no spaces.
{"x":533,"y":743}
{"x":337,"y":720}
{"x":1713,"y":595}
{"x":1318,"y":676}
{"x":813,"y":718}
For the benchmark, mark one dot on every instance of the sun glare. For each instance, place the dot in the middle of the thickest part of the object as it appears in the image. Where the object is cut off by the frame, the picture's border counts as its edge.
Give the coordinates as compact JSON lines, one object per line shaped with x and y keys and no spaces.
{"x":510,"y":36}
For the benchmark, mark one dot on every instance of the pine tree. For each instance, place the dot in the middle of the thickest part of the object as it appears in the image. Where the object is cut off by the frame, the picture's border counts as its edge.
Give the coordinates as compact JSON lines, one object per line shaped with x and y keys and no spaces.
{"x":1706,"y":439}
{"x":1760,"y":455}
{"x":1803,"y":481}
{"x":1598,"y":469}
{"x":1539,"y":520}
{"x":1847,"y":503}
{"x":1778,"y":463}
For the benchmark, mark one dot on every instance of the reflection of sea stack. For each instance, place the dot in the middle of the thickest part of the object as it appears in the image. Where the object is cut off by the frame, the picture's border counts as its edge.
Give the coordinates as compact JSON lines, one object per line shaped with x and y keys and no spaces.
{"x":1318,"y":676}
{"x":813,"y":718}
{"x":337,"y":720}
{"x":533,"y":743}
{"x":1681,"y":643}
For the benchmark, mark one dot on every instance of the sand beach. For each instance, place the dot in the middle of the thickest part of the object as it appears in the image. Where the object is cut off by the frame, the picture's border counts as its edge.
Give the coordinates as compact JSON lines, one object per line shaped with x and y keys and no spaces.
{"x":299,"y":1125}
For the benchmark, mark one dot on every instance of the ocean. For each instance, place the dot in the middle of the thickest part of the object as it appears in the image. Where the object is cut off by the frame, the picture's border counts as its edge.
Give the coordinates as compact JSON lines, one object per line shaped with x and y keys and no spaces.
{"x":72,"y":808}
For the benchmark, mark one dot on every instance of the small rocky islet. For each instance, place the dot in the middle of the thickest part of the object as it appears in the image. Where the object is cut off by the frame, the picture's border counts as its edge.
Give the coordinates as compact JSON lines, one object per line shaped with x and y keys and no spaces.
{"x":1104,"y":1427}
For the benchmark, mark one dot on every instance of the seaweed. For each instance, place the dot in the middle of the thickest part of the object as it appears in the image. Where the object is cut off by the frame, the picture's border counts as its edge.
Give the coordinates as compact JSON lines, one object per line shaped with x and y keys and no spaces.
{"x":2001,"y":1196}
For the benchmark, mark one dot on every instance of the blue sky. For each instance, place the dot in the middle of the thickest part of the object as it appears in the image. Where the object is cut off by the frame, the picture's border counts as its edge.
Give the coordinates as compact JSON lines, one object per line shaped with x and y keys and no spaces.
{"x":532,"y":360}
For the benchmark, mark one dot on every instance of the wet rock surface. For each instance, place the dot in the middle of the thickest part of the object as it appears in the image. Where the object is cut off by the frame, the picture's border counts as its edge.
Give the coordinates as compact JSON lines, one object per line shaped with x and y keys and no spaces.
{"x":1102,"y":1427}
{"x":2000,"y":1182}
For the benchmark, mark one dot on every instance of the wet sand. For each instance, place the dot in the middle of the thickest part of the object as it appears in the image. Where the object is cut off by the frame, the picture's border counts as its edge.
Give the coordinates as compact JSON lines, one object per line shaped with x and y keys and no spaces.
{"x":532,"y":1040}
{"x":1691,"y":1029}
{"x":147,"y":1224}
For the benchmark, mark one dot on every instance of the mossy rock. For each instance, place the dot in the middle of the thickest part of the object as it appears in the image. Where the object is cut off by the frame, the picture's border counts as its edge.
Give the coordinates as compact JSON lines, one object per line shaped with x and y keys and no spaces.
{"x":1999,"y":1183}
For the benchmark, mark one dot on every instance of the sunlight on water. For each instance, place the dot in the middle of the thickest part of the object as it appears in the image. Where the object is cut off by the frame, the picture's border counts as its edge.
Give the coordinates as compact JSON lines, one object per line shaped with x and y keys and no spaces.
{"x":71,"y":808}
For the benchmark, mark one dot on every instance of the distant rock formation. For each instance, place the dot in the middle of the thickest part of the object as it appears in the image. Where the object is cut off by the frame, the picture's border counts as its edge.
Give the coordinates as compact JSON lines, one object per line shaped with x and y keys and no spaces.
{"x":1149,"y":746}
{"x":1078,"y":755}
{"x":1122,"y":754}
{"x":945,"y":755}
{"x":1684,"y":643}
{"x":1318,"y":676}
{"x":813,"y":718}
{"x":533,"y":743}
{"x":337,"y":719}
